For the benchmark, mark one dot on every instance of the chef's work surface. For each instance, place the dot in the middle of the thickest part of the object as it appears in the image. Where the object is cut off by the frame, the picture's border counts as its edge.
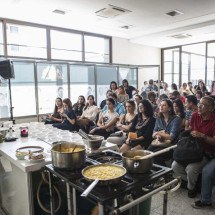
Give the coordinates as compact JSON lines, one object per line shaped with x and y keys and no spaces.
{"x":178,"y":204}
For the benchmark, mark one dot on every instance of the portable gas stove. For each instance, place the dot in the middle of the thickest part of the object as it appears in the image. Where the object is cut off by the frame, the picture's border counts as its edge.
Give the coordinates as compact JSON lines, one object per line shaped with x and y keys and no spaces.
{"x":114,"y":199}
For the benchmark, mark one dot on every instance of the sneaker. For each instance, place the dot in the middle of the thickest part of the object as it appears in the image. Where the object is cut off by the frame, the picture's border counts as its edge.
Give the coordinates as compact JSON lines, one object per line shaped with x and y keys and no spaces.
{"x":192,"y":193}
{"x":199,"y":205}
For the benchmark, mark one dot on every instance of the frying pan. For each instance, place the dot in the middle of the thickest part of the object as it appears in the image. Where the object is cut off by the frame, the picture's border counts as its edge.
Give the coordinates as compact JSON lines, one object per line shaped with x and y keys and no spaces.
{"x":109,"y":180}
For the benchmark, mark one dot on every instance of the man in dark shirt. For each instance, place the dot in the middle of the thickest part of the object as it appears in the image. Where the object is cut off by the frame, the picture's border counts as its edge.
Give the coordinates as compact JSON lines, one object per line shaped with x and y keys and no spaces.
{"x":202,"y":127}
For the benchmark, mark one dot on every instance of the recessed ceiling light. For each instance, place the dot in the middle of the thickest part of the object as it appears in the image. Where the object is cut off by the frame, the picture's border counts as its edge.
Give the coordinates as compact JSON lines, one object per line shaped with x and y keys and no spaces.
{"x":174,"y":13}
{"x":127,"y":26}
{"x":62,"y":12}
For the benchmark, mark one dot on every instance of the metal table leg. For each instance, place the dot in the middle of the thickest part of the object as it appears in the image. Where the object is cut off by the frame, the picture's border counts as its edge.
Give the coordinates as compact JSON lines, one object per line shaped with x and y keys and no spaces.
{"x":69,"y":203}
{"x":51,"y":193}
{"x":74,"y":201}
{"x":165,"y":199}
{"x":101,"y":209}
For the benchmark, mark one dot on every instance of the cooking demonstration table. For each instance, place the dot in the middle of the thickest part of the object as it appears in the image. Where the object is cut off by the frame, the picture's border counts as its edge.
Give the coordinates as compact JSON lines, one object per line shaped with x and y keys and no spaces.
{"x":16,"y":175}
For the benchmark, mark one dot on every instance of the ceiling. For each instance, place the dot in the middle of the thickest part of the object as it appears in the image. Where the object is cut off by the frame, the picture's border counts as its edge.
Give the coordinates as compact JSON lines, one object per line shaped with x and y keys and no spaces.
{"x":147,"y":21}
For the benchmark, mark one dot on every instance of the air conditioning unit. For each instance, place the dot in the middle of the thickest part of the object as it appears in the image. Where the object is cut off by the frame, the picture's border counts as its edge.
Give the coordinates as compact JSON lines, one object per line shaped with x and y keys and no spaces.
{"x":111,"y":11}
{"x":181,"y":36}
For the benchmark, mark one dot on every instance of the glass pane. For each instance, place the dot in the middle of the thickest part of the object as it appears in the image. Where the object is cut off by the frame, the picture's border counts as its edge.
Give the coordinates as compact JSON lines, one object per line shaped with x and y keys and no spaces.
{"x":1,"y":39}
{"x":66,"y":46}
{"x":197,"y":61}
{"x":82,"y":81}
{"x":26,"y":41}
{"x":130,"y":74}
{"x":210,"y":64}
{"x":97,"y":49}
{"x":4,"y":98}
{"x":23,"y":89}
{"x":104,"y":76}
{"x":171,"y":66}
{"x":52,"y":83}
{"x":185,"y":68}
{"x":145,"y":74}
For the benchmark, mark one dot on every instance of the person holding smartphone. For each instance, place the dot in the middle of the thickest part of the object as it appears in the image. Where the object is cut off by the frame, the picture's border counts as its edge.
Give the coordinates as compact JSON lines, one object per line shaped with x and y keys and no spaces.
{"x":68,"y":117}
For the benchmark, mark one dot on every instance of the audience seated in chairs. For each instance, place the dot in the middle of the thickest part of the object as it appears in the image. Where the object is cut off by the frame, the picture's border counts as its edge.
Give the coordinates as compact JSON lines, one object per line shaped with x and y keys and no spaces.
{"x":142,"y":125}
{"x":88,"y":117}
{"x":56,"y":116}
{"x":124,"y":124}
{"x":79,"y":106}
{"x":107,"y":120}
{"x":68,"y":117}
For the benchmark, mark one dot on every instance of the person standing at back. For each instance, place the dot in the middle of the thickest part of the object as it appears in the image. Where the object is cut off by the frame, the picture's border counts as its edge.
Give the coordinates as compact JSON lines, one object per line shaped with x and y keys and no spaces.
{"x":129,"y":89}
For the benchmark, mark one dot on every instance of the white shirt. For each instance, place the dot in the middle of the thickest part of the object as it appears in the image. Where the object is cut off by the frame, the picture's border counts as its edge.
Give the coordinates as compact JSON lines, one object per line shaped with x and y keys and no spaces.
{"x":107,"y":117}
{"x":90,"y":112}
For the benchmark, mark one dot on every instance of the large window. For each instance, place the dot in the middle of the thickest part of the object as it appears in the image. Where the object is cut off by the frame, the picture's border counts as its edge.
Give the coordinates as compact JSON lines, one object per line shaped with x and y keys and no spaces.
{"x":1,"y":39}
{"x":210,"y":64}
{"x":82,"y":81}
{"x":26,"y":41}
{"x":23,"y":89}
{"x":97,"y":49}
{"x":66,"y":46}
{"x":197,"y":61}
{"x":52,"y":83}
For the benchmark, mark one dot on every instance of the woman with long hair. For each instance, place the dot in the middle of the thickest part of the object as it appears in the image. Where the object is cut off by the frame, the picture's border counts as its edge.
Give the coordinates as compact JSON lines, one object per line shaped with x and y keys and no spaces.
{"x":68,"y":117}
{"x":79,"y":105}
{"x":212,"y":90}
{"x":107,"y":120}
{"x":122,"y":96}
{"x":142,"y":125}
{"x":124,"y":124}
{"x":178,"y":107}
{"x":88,"y":117}
{"x":167,"y":127}
{"x":113,"y":87}
{"x":202,"y":87}
{"x":56,"y":116}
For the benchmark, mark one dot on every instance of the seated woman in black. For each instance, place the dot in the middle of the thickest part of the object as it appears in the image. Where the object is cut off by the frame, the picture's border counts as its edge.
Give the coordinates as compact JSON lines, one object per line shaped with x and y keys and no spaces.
{"x":79,"y":106}
{"x":56,"y":116}
{"x":143,"y":124}
{"x":69,"y":118}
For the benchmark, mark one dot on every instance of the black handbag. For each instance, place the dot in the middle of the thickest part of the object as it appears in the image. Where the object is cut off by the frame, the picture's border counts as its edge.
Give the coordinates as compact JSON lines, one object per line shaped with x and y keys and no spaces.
{"x":189,"y":150}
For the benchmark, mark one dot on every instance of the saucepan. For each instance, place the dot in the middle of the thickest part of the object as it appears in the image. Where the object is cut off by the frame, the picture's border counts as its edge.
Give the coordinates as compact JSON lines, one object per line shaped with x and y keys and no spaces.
{"x":102,"y":174}
{"x":68,"y":155}
{"x":141,"y":161}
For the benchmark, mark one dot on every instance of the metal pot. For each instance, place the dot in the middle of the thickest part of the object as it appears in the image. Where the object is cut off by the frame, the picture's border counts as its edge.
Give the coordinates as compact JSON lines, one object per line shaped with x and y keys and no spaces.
{"x":135,"y":162}
{"x":63,"y":156}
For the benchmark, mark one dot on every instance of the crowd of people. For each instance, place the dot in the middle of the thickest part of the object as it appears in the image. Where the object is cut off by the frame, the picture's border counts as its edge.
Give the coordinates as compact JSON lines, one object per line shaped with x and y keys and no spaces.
{"x":136,"y":120}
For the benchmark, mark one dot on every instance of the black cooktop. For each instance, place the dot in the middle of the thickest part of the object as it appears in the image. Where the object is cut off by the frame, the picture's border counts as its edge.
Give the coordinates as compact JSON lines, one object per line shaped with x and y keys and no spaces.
{"x":130,"y":183}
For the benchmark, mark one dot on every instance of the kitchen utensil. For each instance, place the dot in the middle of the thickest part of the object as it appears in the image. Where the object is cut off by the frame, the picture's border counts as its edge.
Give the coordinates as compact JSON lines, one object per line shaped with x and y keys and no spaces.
{"x":102,"y":174}
{"x":74,"y":148}
{"x":141,"y":161}
{"x":64,"y":155}
{"x":95,"y":142}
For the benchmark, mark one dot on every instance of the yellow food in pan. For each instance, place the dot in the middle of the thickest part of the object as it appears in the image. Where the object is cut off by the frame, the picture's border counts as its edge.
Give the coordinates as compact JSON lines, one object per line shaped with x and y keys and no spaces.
{"x":68,"y":150}
{"x":104,"y":172}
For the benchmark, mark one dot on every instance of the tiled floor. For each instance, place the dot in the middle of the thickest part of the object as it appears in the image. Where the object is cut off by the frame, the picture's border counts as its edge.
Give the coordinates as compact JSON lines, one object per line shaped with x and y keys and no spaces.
{"x":178,"y":204}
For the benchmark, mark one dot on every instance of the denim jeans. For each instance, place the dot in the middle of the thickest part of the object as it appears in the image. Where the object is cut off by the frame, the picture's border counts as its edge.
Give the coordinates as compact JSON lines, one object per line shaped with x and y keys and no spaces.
{"x":208,"y":180}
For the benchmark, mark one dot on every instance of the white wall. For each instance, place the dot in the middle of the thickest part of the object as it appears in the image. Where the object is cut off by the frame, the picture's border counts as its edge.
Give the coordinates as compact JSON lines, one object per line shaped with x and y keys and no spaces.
{"x":125,"y":52}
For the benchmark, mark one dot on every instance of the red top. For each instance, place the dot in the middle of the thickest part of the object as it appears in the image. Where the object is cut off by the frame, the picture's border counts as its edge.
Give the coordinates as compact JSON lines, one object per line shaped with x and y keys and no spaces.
{"x":204,"y":126}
